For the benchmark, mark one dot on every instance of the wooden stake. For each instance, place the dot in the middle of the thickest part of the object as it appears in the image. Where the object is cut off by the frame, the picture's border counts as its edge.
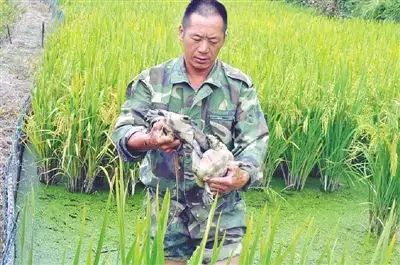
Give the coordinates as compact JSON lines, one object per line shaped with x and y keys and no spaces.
{"x":42,"y":33}
{"x":9,"y":34}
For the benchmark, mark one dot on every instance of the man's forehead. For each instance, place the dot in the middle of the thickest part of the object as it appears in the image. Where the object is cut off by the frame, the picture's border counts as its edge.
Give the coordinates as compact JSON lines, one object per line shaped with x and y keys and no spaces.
{"x":211,"y":23}
{"x":202,"y":34}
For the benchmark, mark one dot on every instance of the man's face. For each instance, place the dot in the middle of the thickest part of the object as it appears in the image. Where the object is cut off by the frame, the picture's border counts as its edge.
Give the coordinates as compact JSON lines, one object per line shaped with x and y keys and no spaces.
{"x":202,"y":39}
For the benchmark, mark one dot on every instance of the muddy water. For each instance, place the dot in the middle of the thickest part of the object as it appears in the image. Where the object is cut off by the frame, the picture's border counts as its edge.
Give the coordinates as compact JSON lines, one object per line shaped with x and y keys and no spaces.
{"x":56,"y":222}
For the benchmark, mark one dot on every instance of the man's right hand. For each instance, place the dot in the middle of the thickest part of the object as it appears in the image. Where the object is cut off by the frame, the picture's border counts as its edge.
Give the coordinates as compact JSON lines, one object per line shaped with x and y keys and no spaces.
{"x":155,"y":139}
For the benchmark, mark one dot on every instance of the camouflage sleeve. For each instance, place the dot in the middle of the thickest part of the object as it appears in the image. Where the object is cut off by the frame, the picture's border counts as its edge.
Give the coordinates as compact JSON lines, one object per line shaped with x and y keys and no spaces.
{"x":250,"y":136}
{"x":132,"y":119}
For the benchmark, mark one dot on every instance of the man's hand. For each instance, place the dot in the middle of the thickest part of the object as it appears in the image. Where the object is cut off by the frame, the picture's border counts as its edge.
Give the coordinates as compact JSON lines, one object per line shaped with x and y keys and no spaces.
{"x":234,"y":179}
{"x":157,"y":138}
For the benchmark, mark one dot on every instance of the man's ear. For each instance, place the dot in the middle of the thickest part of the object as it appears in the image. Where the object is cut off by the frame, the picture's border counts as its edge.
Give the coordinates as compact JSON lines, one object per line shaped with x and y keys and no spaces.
{"x":181,"y":32}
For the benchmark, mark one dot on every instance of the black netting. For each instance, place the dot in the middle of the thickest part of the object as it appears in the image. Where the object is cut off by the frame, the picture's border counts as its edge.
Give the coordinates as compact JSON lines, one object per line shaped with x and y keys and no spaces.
{"x":10,"y":179}
{"x":12,"y":172}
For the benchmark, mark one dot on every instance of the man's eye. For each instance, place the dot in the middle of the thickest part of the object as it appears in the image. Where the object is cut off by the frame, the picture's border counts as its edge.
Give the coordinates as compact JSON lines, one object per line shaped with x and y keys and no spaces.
{"x":196,"y":39}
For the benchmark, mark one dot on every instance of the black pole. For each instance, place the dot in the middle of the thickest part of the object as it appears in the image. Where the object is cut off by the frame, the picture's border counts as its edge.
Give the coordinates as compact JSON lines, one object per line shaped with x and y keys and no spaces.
{"x":9,"y":34}
{"x":42,"y":33}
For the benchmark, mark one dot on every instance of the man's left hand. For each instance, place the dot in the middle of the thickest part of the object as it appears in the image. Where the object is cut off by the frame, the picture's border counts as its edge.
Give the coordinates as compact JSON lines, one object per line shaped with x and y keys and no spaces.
{"x":234,"y":179}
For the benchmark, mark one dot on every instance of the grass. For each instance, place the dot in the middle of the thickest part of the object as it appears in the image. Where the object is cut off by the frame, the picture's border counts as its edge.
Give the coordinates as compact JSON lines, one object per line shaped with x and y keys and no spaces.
{"x":309,"y":72}
{"x":7,"y":15}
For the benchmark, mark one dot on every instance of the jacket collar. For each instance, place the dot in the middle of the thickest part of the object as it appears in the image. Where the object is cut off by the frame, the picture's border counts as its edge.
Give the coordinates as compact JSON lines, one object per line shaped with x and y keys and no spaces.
{"x":179,"y":74}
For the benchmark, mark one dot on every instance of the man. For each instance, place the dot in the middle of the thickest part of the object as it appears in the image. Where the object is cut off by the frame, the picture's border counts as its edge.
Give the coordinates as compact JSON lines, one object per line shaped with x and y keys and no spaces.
{"x":221,"y":101}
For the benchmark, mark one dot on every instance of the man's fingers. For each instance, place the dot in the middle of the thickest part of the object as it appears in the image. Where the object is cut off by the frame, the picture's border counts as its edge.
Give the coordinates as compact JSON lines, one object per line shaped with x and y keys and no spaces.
{"x":170,"y":146}
{"x":168,"y":140}
{"x":217,"y":188}
{"x":219,"y":181}
{"x":159,"y":124}
{"x":165,"y":139}
{"x":169,"y":150}
{"x":215,"y":191}
{"x":175,"y":143}
{"x":232,"y":166}
{"x":230,"y":173}
{"x":233,"y":171}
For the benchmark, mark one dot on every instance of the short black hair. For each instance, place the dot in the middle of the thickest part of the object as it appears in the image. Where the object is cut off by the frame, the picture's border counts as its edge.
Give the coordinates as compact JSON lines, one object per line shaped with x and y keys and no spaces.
{"x":205,"y":8}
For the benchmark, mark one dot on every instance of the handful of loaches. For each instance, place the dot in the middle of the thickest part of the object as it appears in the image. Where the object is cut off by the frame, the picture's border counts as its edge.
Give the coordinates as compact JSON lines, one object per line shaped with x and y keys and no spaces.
{"x":211,"y":158}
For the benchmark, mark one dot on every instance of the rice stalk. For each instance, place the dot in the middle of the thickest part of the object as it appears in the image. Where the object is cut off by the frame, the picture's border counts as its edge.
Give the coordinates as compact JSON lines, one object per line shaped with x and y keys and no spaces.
{"x":379,"y":164}
{"x":102,"y":236}
{"x":384,"y":186}
{"x":252,"y":238}
{"x":78,"y":250}
{"x":25,"y":233}
{"x":304,"y":150}
{"x":334,"y":154}
{"x":387,"y":240}
{"x":197,"y":257}
{"x":277,"y":145}
{"x":266,"y":249}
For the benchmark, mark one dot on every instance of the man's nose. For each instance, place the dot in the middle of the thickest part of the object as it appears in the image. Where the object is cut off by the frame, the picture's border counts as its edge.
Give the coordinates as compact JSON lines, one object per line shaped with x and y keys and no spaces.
{"x":203,"y":48}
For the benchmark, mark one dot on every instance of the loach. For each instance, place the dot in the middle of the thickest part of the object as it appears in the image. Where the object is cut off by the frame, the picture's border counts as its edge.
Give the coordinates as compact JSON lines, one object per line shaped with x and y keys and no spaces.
{"x":210,"y":157}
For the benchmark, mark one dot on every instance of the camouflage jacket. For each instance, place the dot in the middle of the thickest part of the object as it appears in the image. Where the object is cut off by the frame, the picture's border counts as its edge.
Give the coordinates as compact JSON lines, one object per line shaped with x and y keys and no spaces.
{"x":226,"y":106}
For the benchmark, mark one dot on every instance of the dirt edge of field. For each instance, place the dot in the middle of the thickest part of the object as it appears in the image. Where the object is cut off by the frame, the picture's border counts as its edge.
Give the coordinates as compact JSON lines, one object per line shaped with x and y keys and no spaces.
{"x":18,"y":61}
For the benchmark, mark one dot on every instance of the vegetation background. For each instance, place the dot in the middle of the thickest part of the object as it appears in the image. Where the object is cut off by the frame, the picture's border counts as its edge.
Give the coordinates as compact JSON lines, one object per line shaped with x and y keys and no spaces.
{"x":368,"y":9}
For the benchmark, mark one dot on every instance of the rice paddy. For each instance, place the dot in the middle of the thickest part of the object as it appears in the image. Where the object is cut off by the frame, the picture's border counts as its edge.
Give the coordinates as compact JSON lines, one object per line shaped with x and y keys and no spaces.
{"x":329,"y":88}
{"x":339,"y":222}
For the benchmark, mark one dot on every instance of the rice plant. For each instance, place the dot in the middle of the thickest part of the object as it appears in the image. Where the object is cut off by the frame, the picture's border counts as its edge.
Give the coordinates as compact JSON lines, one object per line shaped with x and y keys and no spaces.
{"x":335,"y":155}
{"x":198,"y":255}
{"x":387,"y":240}
{"x":76,"y":100}
{"x":86,"y":66}
{"x":379,"y":9}
{"x":304,"y":150}
{"x":26,"y":233}
{"x":385,"y":183}
{"x":317,"y":87}
{"x":277,"y":145}
{"x":379,"y":164}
